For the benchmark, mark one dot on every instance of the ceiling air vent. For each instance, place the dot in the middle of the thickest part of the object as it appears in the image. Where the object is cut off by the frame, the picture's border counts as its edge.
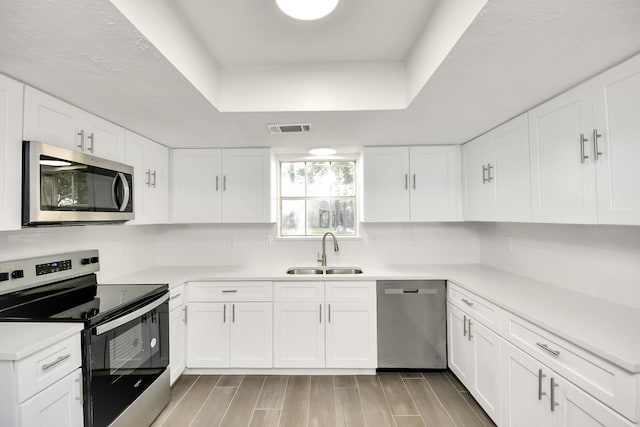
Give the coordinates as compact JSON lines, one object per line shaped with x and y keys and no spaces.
{"x":289,"y":128}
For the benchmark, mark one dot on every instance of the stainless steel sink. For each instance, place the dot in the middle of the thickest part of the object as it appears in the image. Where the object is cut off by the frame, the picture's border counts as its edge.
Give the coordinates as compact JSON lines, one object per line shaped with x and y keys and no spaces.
{"x":324,"y":270}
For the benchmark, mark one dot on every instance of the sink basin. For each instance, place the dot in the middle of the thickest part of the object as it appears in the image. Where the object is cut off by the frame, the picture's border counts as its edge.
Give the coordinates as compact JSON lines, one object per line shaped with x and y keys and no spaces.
{"x":324,"y":270}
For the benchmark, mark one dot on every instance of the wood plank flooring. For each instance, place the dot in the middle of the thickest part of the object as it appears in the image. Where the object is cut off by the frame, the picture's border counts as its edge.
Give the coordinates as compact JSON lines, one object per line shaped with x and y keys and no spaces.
{"x":384,"y":400}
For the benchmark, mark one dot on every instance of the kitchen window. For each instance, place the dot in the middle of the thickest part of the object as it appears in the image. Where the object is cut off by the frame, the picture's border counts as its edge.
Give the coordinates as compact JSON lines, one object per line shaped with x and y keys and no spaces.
{"x":317,"y":197}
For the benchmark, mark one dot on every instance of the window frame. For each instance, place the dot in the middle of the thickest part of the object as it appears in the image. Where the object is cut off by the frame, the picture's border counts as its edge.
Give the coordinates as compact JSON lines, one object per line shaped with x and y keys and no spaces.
{"x":280,"y":198}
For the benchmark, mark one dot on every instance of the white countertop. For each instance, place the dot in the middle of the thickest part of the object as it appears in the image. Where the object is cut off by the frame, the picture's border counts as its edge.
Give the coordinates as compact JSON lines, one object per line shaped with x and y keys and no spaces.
{"x":606,"y":329}
{"x":19,"y":340}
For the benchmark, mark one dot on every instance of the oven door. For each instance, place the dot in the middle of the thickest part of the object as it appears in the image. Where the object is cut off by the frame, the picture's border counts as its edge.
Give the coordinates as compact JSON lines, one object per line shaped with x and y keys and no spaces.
{"x":128,"y":354}
{"x":62,"y":185}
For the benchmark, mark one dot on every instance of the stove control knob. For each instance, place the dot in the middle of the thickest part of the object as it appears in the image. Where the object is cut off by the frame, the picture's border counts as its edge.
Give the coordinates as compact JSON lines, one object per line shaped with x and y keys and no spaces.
{"x":85,"y":261}
{"x":4,"y":277}
{"x":17,"y":274}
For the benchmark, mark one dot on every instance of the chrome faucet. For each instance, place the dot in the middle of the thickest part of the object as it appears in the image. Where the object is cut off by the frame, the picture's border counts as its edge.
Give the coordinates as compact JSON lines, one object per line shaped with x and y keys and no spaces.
{"x":322,"y":259}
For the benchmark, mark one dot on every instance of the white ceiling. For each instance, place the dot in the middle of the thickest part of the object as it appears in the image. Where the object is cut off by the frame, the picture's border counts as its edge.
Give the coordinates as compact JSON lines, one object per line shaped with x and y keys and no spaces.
{"x":514,"y":55}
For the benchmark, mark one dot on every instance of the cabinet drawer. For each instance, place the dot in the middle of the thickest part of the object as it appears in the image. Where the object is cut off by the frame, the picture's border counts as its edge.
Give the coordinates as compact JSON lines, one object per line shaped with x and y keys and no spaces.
{"x":41,"y":369}
{"x":177,"y":297}
{"x":605,"y":381}
{"x":230,"y":291}
{"x":482,"y":310}
{"x":349,"y":291}
{"x":298,"y":291}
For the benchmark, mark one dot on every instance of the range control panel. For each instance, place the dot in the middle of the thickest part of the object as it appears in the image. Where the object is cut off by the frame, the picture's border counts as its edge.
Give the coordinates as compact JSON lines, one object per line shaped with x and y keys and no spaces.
{"x":53,"y":267}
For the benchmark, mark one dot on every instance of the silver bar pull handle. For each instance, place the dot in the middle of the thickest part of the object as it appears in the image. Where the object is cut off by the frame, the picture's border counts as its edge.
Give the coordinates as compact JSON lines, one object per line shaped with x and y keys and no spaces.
{"x":91,"y":138}
{"x":224,"y":183}
{"x":233,"y":313}
{"x":464,"y":326}
{"x":552,"y":396}
{"x":540,"y":377}
{"x":546,"y":348}
{"x":55,"y":362}
{"x":81,"y":135}
{"x":217,"y":183}
{"x":320,"y":311}
{"x":185,"y":315}
{"x":153,"y":184}
{"x":406,"y":181}
{"x":329,"y":313}
{"x":80,"y":391}
{"x":176,"y":296}
{"x":466,"y":301}
{"x":414,"y":181}
{"x":596,"y":150}
{"x":469,"y":335}
{"x":148,"y":174}
{"x":224,"y":313}
{"x":229,"y":291}
{"x":489,"y":168}
{"x":583,"y":157}
{"x":484,"y":174}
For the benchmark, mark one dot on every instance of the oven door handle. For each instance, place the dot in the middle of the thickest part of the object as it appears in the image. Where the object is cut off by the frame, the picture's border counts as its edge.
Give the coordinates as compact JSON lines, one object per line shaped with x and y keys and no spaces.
{"x":106,"y":327}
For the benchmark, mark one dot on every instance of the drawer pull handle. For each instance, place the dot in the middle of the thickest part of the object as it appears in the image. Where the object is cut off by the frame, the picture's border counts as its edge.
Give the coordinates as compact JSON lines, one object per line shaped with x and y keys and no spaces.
{"x":466,"y":301}
{"x":176,"y":296}
{"x":55,"y":362}
{"x":464,"y":326}
{"x":540,"y":377}
{"x":552,"y":400}
{"x":547,"y":349}
{"x":229,"y":291}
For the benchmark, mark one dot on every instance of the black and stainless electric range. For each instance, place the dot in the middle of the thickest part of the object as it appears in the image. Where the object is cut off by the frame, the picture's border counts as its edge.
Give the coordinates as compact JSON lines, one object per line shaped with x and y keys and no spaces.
{"x":125,"y":340}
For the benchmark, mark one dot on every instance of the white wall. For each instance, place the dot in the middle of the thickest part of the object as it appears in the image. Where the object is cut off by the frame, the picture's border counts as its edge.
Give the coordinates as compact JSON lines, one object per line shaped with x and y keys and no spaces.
{"x":603,"y":261}
{"x":123,"y":249}
{"x":256,"y":245}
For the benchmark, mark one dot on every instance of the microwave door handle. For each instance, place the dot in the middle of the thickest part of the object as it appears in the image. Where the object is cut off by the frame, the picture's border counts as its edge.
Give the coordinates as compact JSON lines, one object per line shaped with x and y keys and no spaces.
{"x":106,"y":327}
{"x":115,"y":189}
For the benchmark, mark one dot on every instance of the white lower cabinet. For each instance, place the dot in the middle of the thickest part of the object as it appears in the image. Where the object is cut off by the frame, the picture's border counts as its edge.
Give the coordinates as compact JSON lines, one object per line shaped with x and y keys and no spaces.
{"x":177,"y":333}
{"x":474,"y":357}
{"x":536,"y":396}
{"x":58,"y":405}
{"x":325,"y":325}
{"x":229,"y":325}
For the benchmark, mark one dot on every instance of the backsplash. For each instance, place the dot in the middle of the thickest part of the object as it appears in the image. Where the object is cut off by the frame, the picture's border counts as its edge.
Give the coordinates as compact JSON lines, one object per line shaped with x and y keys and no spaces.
{"x":123,"y":249}
{"x":603,"y":261}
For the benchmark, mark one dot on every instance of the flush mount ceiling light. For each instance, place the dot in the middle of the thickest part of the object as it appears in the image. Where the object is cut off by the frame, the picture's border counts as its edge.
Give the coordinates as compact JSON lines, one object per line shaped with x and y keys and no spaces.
{"x":322,"y":151}
{"x":307,"y":10}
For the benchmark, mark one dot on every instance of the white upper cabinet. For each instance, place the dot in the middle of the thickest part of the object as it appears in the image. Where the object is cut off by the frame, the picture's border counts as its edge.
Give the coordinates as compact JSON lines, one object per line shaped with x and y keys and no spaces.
{"x":616,"y":143}
{"x":496,"y":174}
{"x":52,"y":121}
{"x":10,"y":152}
{"x":222,"y":185}
{"x":563,"y":179}
{"x":150,"y":163}
{"x":411,"y":184}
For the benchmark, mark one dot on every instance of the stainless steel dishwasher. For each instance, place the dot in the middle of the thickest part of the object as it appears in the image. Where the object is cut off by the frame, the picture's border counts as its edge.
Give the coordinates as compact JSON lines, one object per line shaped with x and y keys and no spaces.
{"x":412,"y":324}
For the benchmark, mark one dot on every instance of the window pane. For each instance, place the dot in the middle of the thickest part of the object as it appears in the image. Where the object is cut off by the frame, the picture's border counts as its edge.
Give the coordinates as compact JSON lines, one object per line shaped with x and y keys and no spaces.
{"x":343,"y":179}
{"x":318,"y":217}
{"x":343,"y":216}
{"x":292,"y":179}
{"x":319,"y":178}
{"x":293,"y":218}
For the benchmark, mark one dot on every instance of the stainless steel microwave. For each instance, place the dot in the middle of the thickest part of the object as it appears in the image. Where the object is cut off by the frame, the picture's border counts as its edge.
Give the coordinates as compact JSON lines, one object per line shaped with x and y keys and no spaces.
{"x":62,"y":186}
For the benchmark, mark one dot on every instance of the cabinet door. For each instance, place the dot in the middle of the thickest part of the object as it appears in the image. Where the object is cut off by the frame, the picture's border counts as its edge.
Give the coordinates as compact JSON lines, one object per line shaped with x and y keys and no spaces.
{"x":563,"y":185}
{"x":157,"y":200}
{"x":103,"y":138}
{"x":196,"y":185}
{"x":59,"y":404}
{"x":10,"y":153}
{"x":177,"y":342}
{"x":460,"y":351}
{"x":385,"y":184}
{"x":486,"y":368}
{"x":135,"y":155}
{"x":617,"y":109}
{"x":510,"y":172}
{"x":575,"y":408}
{"x":246,"y":185}
{"x":479,"y":194}
{"x":298,"y":339}
{"x":525,"y":399}
{"x":435,"y":183}
{"x":49,"y":120}
{"x":208,"y":335}
{"x":251,"y":344}
{"x":351,"y":340}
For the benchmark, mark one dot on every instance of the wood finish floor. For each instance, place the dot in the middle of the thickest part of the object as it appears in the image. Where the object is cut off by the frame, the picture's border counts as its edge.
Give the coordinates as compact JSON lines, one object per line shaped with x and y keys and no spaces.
{"x":383,"y":400}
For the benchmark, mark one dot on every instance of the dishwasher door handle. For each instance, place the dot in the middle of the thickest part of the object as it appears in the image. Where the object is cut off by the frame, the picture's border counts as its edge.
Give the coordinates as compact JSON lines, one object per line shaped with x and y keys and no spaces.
{"x":409,"y":291}
{"x":414,"y":291}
